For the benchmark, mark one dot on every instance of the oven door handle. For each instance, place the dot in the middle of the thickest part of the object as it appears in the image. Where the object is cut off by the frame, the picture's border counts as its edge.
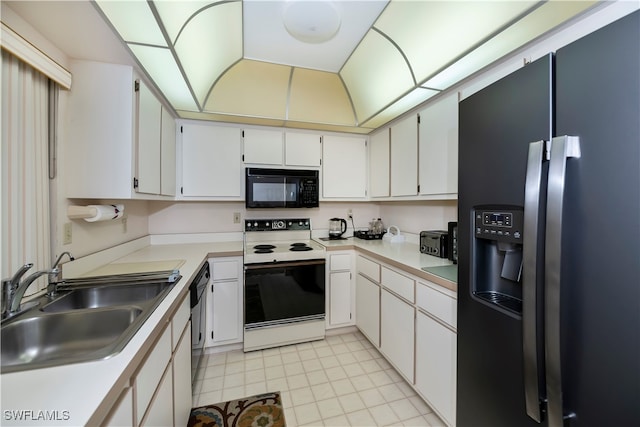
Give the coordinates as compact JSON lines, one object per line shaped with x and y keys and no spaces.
{"x":284,"y":264}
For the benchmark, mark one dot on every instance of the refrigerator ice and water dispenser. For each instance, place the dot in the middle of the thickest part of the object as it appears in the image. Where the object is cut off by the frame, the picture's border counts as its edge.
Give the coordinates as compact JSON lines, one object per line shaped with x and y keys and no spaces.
{"x":497,"y":257}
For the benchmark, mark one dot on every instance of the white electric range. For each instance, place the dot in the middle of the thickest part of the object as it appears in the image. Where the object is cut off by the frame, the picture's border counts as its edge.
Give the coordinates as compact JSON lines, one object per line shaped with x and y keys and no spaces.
{"x":284,"y":279}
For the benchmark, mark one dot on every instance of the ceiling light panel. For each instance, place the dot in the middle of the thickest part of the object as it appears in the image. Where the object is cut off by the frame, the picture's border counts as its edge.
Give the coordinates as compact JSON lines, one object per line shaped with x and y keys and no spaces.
{"x":404,"y":104}
{"x":538,"y":22}
{"x":159,"y":64}
{"x":376,"y":75}
{"x":434,"y":33}
{"x":251,"y":88}
{"x":176,"y":14}
{"x":134,"y":21}
{"x":318,"y":96}
{"x":209,"y":44}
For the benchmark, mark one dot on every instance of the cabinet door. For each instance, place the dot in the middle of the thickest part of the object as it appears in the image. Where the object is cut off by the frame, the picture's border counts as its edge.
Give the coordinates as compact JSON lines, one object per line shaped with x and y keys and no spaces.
{"x":436,"y":370}
{"x":439,"y":147}
{"x":211,"y":161}
{"x":344,"y":167}
{"x":404,"y":157}
{"x":302,"y":149}
{"x":168,"y":155}
{"x":182,"y":401}
{"x":263,"y":146}
{"x":148,"y":147}
{"x":224,"y":324}
{"x":121,"y":414}
{"x":379,"y":158}
{"x":368,"y":309}
{"x":340,"y":298}
{"x":150,"y":374}
{"x":100,"y":144}
{"x":397,"y":333}
{"x":160,"y":411}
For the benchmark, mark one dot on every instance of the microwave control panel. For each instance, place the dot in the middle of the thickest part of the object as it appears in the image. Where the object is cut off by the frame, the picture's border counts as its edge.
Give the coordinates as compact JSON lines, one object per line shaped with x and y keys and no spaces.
{"x":500,"y":225}
{"x":309,"y":191}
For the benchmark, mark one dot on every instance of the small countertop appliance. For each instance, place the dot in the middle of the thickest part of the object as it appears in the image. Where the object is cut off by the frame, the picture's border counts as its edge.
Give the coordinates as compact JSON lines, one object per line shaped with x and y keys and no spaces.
{"x":337,"y":227}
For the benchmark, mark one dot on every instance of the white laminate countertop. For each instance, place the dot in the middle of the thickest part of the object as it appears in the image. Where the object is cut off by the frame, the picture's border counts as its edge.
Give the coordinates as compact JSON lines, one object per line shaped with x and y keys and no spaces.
{"x":406,"y":256}
{"x":73,"y":395}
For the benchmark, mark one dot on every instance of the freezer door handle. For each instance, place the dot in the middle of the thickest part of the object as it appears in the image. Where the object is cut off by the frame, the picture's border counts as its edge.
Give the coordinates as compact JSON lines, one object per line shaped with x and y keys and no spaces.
{"x":538,"y":154}
{"x":562,"y":148}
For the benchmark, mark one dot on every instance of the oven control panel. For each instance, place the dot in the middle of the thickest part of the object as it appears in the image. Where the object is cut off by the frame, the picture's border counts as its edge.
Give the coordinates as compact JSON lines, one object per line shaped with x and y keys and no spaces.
{"x":286,"y":224}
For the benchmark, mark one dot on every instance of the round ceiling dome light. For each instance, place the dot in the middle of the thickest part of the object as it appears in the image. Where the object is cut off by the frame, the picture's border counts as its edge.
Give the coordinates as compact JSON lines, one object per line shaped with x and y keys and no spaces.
{"x":311,"y":21}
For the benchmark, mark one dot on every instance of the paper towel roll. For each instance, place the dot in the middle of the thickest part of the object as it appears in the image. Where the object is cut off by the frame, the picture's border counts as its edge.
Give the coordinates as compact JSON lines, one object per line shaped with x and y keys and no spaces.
{"x":105,"y":212}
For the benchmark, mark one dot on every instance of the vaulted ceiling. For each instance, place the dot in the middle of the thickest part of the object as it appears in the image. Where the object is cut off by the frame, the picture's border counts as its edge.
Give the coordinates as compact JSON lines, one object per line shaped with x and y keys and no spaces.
{"x":344,"y":65}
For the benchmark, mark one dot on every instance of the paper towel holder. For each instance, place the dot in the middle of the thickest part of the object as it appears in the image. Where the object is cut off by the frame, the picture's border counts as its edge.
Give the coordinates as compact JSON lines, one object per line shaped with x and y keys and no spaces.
{"x":91,"y":213}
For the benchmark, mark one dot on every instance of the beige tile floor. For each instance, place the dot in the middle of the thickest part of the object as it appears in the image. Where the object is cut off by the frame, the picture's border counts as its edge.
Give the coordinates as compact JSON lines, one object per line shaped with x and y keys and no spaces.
{"x":339,"y":381}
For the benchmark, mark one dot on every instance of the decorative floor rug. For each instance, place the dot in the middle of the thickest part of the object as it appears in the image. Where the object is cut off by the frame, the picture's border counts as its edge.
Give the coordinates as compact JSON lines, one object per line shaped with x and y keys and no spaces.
{"x":263,"y":410}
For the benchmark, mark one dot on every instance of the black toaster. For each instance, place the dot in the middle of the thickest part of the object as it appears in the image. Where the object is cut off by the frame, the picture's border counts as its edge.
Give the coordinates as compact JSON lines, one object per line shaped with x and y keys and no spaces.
{"x":434,"y":243}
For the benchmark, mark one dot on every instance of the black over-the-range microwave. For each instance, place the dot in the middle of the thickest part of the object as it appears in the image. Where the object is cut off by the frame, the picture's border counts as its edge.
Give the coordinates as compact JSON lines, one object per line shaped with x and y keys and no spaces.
{"x":281,"y":188}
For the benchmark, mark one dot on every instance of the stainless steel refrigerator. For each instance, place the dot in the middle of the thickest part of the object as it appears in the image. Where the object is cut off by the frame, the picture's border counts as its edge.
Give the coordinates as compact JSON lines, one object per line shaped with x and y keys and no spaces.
{"x":549,"y":240}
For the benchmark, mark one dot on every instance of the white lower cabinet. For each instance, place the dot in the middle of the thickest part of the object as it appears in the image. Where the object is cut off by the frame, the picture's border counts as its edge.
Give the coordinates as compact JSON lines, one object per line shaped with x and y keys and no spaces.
{"x":148,"y":377}
{"x":397,"y":333}
{"x":160,"y":390}
{"x":436,"y":367}
{"x":368,"y":308}
{"x":224,"y":302}
{"x":418,"y":339}
{"x":122,"y":412}
{"x":340,"y":302}
{"x":181,"y":367}
{"x":160,"y":411}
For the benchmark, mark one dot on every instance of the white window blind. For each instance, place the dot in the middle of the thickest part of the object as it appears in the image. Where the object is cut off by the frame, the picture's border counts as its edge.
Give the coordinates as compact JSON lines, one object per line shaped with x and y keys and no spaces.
{"x":25,"y":177}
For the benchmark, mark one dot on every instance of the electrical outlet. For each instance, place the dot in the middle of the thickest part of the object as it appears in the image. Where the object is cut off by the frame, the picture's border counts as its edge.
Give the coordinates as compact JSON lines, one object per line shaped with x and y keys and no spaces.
{"x":124,"y":225}
{"x":236,"y":217}
{"x":66,"y":233}
{"x":350,"y":213}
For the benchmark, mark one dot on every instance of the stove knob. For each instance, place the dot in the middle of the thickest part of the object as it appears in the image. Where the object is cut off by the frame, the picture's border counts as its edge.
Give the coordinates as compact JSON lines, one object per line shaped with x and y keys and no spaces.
{"x":248,"y":225}
{"x":306,"y":223}
{"x":290,"y":223}
{"x":255,"y":224}
{"x":266,"y":223}
{"x":300,"y":223}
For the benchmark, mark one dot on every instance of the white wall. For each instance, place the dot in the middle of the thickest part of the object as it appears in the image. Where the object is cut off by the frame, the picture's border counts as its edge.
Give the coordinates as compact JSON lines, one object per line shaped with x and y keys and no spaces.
{"x":414,"y":217}
{"x":89,"y":237}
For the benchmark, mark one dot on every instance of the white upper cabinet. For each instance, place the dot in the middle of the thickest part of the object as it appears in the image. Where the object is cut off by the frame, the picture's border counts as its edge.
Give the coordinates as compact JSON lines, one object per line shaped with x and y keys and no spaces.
{"x":168,"y":155}
{"x":344,"y":167}
{"x":263,"y":146}
{"x":113,"y":144}
{"x":211,"y":161}
{"x":379,"y":158}
{"x":149,"y":128}
{"x":302,"y":149}
{"x":404,"y":157}
{"x":439,"y":147}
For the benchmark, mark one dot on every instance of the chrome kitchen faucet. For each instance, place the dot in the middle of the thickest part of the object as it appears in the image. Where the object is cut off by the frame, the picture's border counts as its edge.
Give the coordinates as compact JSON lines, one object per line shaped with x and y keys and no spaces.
{"x":13,"y":290}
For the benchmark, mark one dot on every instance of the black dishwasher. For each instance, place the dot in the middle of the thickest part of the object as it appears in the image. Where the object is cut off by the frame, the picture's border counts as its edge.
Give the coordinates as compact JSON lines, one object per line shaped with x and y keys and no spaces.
{"x":197,"y":290}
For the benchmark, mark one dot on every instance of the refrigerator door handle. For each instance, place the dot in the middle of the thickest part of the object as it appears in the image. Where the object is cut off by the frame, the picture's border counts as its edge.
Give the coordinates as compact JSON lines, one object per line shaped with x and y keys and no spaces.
{"x":538,"y":153}
{"x":562,"y":148}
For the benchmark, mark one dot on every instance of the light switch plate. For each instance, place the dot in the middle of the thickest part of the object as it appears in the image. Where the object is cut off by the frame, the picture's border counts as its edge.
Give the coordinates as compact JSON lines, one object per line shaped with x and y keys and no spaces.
{"x":66,"y":233}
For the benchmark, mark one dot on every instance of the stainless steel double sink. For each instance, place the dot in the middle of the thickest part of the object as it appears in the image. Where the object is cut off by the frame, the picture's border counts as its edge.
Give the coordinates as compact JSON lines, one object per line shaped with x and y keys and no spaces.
{"x":89,"y":320}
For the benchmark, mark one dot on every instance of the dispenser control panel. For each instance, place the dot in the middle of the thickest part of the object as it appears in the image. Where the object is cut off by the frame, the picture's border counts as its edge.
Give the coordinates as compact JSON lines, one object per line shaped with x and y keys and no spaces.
{"x":500,"y":225}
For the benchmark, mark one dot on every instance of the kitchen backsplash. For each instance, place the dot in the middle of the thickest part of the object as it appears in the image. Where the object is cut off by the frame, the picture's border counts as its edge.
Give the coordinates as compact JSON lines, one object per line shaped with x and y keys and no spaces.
{"x":212,"y":217}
